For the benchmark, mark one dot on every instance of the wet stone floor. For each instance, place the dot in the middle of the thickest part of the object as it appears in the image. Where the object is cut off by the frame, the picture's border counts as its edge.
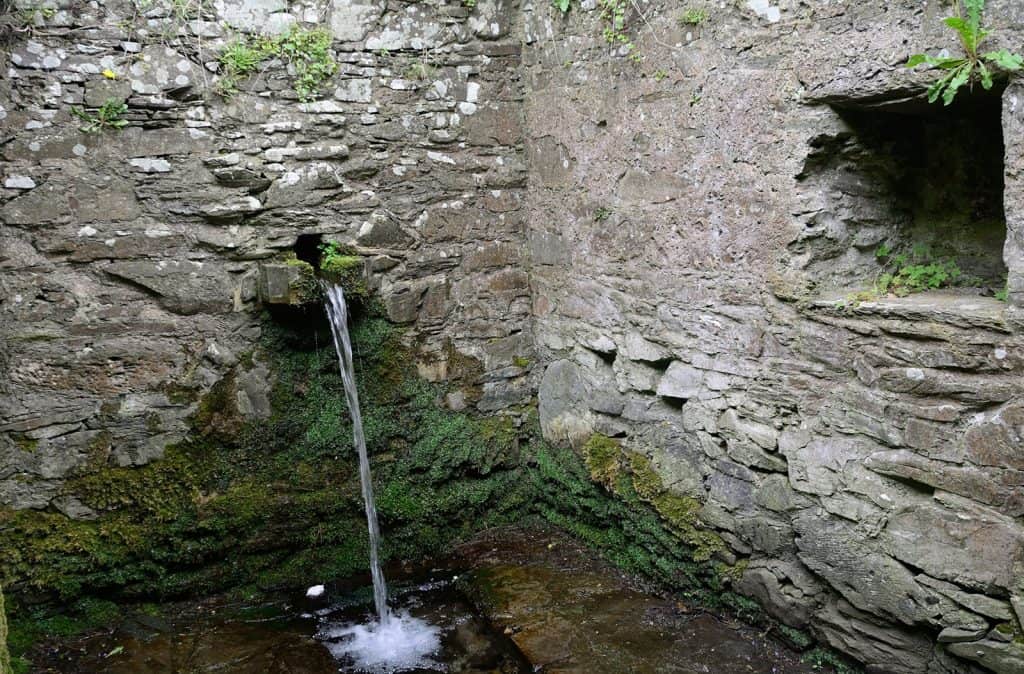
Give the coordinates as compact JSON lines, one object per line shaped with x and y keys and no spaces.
{"x":512,"y":602}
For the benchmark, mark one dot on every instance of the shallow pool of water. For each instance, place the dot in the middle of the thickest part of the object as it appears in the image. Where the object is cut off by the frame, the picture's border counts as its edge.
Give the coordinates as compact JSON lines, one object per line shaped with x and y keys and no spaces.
{"x":509,"y":603}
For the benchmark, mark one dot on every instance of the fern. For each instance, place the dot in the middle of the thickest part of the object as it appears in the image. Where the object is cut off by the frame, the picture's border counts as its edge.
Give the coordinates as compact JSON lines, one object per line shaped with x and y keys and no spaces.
{"x":973,"y":65}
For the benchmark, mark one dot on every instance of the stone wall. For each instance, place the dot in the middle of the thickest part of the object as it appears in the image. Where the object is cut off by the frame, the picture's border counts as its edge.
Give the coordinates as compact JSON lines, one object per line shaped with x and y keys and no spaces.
{"x":131,"y":258}
{"x":694,"y":219}
{"x":668,"y":238}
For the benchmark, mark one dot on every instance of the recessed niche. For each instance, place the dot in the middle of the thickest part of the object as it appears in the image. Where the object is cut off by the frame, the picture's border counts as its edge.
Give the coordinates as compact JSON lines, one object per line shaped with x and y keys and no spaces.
{"x":904,"y":175}
{"x":307,"y":248}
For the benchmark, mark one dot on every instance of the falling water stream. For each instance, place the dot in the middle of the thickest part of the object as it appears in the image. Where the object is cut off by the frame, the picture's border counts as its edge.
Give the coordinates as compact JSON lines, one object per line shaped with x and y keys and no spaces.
{"x":337,"y":312}
{"x":391,"y":643}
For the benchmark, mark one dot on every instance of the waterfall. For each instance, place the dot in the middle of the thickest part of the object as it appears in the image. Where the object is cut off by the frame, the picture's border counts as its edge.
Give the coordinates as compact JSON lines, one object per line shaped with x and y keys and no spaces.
{"x":337,"y":312}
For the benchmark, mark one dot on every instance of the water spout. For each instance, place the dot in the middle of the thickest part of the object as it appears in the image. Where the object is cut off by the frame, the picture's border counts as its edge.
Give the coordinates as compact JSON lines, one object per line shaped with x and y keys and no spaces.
{"x":337,"y":312}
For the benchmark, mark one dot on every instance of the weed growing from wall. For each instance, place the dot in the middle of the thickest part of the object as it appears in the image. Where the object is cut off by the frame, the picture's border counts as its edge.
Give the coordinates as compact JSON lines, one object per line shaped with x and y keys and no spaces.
{"x":693,"y":17}
{"x":914,"y":271}
{"x":974,"y":65}
{"x":107,"y":117}
{"x":307,"y":53}
{"x":613,"y":15}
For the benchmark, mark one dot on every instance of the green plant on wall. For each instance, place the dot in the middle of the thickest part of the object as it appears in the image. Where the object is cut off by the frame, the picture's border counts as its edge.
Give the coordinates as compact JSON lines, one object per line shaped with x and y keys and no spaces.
{"x":307,"y":52}
{"x":342,"y":265}
{"x":5,"y":657}
{"x":693,"y":17}
{"x":914,"y":271}
{"x":239,"y":59}
{"x":974,"y":65}
{"x":613,"y":14}
{"x":108,"y":116}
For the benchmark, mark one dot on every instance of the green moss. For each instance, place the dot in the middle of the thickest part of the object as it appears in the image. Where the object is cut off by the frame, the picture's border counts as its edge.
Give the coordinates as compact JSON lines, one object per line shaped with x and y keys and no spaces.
{"x":681,"y":514}
{"x":646,"y":481}
{"x":797,"y":638}
{"x":26,"y":444}
{"x":39,"y":623}
{"x":603,"y":456}
{"x":5,"y":656}
{"x":341,"y":265}
{"x":305,"y":288}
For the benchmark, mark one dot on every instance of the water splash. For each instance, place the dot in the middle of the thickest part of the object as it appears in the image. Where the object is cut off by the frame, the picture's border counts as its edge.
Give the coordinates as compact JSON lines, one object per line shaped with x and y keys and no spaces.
{"x":337,"y":312}
{"x":401,"y":644}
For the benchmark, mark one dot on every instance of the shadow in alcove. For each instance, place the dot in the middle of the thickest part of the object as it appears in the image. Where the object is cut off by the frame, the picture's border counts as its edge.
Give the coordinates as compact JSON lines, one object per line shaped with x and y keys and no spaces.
{"x":909,"y":174}
{"x":949,"y":174}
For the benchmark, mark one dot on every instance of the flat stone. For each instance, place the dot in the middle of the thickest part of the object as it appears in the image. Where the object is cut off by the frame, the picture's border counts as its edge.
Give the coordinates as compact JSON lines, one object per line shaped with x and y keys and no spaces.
{"x":182,"y":287}
{"x":680,"y":381}
{"x":351,"y":20}
{"x":997,"y":656}
{"x":954,"y":635}
{"x":958,"y":541}
{"x":151,"y":165}
{"x":354,"y":91}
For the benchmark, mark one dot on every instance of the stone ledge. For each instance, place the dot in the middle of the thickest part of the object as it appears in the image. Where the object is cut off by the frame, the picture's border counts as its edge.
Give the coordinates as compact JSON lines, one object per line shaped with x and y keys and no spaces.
{"x":946,"y":307}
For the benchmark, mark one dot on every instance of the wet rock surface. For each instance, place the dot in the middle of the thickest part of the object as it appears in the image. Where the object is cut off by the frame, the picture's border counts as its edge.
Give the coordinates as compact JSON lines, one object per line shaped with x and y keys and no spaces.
{"x":512,"y":601}
{"x":572,"y":614}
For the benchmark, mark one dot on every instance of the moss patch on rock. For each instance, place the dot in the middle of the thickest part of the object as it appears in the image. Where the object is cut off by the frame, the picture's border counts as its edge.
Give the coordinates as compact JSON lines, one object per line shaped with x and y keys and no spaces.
{"x":276,"y":503}
{"x":5,"y":656}
{"x":342,"y":266}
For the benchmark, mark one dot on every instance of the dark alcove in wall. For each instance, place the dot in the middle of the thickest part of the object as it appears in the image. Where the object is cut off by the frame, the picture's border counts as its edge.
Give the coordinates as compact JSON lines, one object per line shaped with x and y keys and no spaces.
{"x":307,"y":248}
{"x":905,"y":175}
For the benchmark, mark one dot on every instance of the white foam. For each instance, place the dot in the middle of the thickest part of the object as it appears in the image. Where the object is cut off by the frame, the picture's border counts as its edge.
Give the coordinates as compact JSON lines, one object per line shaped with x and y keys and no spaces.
{"x":315,"y":591}
{"x":402,"y":644}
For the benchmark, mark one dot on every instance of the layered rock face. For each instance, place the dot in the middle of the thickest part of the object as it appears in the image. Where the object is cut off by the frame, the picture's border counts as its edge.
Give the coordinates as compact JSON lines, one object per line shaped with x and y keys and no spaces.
{"x":674,"y":240}
{"x":721,"y":203}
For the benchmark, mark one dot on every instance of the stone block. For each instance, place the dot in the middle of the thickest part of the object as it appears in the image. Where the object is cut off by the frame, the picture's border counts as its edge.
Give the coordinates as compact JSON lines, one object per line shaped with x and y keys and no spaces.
{"x":680,"y":381}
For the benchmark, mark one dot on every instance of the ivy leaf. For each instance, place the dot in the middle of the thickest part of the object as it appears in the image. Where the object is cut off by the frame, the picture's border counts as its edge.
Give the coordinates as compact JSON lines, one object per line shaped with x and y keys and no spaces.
{"x":1005,"y":59}
{"x":562,"y":5}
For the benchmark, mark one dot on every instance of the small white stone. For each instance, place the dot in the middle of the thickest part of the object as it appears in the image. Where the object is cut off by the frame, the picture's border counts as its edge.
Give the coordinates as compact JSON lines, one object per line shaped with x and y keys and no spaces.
{"x":440,"y":158}
{"x":86,"y":230}
{"x":79,"y":150}
{"x":1000,"y":353}
{"x":915,"y":374}
{"x":19,"y":183}
{"x":148,"y":165}
{"x":315,"y":591}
